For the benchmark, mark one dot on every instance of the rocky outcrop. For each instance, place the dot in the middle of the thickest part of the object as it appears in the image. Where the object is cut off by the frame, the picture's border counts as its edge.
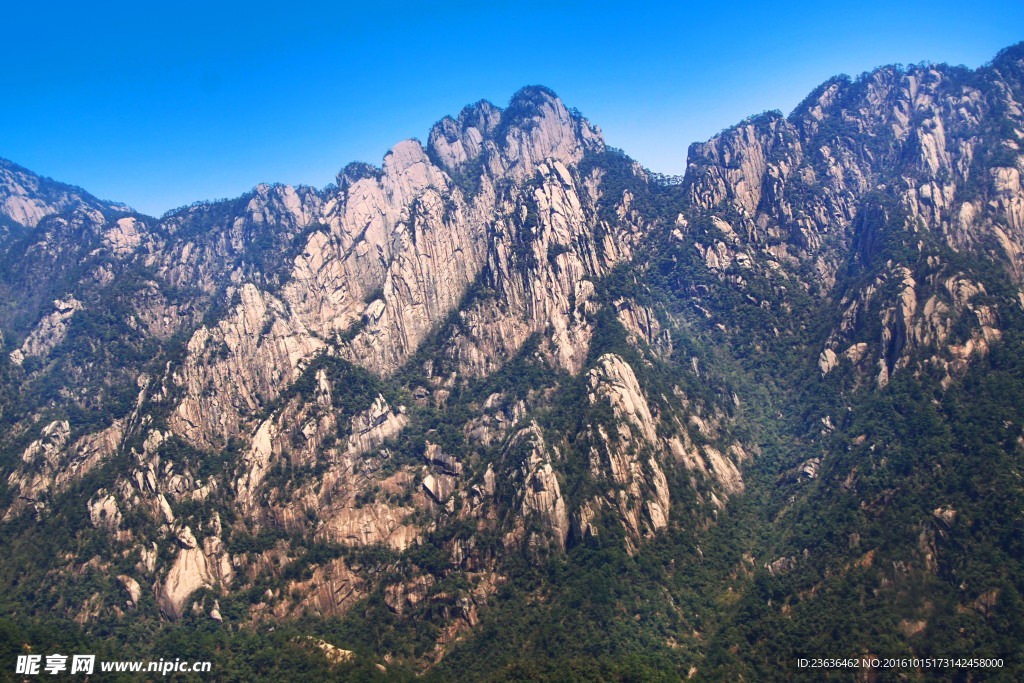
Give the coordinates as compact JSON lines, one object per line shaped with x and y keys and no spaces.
{"x":51,"y":463}
{"x":125,"y":236}
{"x":370,"y":525}
{"x":235,"y":368}
{"x":26,"y":198}
{"x":103,"y":512}
{"x":916,"y":323}
{"x":431,"y":256}
{"x":195,"y":566}
{"x":538,"y":494}
{"x":643,"y":326}
{"x":375,"y":425}
{"x":631,"y":452}
{"x":499,"y":416}
{"x":626,"y":455}
{"x":133,"y":589}
{"x":542,"y":268}
{"x":331,"y":589}
{"x":535,"y":127}
{"x":396,"y":254}
{"x":50,"y":331}
{"x":334,"y":654}
{"x":877,"y":176}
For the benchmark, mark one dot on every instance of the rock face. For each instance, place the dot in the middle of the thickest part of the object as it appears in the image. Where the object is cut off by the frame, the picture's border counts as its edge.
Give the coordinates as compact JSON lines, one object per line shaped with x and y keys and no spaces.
{"x":195,"y":567}
{"x":375,"y":425}
{"x":508,"y":341}
{"x":235,"y":368}
{"x":51,"y":329}
{"x":538,"y":492}
{"x":630,"y":454}
{"x":26,"y":199}
{"x":334,"y":654}
{"x":898,"y":183}
{"x":642,"y":497}
{"x":52,"y":462}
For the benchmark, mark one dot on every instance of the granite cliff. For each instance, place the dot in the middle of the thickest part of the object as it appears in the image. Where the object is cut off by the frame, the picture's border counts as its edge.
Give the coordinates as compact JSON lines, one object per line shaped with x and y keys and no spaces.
{"x":504,"y":345}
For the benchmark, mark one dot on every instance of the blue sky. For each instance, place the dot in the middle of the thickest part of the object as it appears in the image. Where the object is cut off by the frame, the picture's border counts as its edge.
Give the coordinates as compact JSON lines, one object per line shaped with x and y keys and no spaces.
{"x":162,"y":104}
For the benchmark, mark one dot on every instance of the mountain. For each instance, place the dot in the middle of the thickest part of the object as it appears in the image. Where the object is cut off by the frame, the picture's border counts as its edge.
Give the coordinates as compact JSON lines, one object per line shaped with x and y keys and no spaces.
{"x":511,"y":407}
{"x":27,"y":199}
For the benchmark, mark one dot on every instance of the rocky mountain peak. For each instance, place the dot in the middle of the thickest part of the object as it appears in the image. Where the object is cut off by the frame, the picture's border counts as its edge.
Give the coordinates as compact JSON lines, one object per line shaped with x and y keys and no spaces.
{"x":1011,"y":57}
{"x":534,"y":127}
{"x":356,"y":171}
{"x":455,"y":143}
{"x":27,"y":198}
{"x":537,"y":126}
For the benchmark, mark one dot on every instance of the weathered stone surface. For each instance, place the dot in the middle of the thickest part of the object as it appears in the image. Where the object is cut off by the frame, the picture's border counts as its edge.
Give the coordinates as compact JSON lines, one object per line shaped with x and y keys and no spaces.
{"x":133,"y":588}
{"x":26,"y":199}
{"x":50,"y":331}
{"x":372,"y":427}
{"x":538,"y":492}
{"x":502,"y":231}
{"x":205,"y":566}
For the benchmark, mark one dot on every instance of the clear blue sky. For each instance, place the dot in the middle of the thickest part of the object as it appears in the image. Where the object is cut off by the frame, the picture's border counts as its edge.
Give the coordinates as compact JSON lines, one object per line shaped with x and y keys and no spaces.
{"x":160,"y":104}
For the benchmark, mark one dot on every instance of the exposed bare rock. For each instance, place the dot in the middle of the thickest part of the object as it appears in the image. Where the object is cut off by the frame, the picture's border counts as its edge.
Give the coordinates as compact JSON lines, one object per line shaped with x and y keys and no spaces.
{"x":330,"y":591}
{"x":256,"y":463}
{"x":205,"y":566}
{"x":238,"y":366}
{"x":334,"y":654}
{"x":629,"y":455}
{"x":50,"y":331}
{"x":433,"y":260}
{"x":401,"y":597}
{"x":780,"y":565}
{"x":187,"y":539}
{"x":133,"y":588}
{"x":103,"y":511}
{"x":805,"y":471}
{"x":456,"y":142}
{"x":544,"y":130}
{"x":613,"y":380}
{"x":810,"y":468}
{"x":87,"y":453}
{"x":946,"y":515}
{"x":50,"y":464}
{"x":446,"y":463}
{"x":374,"y":426}
{"x":26,"y":199}
{"x":643,"y":325}
{"x":165,"y":509}
{"x":370,"y":525}
{"x":124,"y":236}
{"x":440,"y":487}
{"x":856,"y":353}
{"x":538,"y":494}
{"x":42,"y":454}
{"x":147,"y":563}
{"x":513,"y":236}
{"x":724,"y":467}
{"x":499,"y":416}
{"x":827,"y":360}
{"x":546,"y":287}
